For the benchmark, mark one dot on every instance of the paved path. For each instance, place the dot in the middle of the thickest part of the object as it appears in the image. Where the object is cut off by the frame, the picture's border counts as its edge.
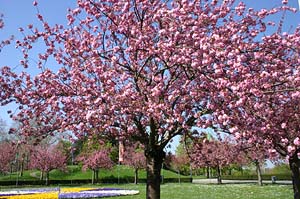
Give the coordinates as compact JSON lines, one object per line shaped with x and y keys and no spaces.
{"x":214,"y":181}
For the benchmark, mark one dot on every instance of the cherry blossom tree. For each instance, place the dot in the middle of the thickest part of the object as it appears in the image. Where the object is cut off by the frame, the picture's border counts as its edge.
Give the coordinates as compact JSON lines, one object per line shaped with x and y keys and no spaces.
{"x":47,"y":158}
{"x":7,"y":156}
{"x":134,"y":156}
{"x":215,"y":154}
{"x":94,"y":161}
{"x":148,"y":70}
{"x":260,"y":101}
{"x":254,"y":153}
{"x":180,"y":162}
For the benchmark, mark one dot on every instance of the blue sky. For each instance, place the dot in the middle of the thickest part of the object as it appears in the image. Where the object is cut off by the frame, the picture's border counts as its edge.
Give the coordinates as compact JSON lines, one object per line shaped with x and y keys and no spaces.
{"x":20,"y":13}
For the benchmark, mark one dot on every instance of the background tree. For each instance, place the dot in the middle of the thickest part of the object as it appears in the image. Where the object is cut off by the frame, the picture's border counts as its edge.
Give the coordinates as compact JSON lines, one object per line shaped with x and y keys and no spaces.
{"x":134,"y":157}
{"x":149,"y":70}
{"x":180,"y":163}
{"x":46,"y":158}
{"x":94,"y":161}
{"x":7,"y":156}
{"x":254,"y":153}
{"x":215,"y":154}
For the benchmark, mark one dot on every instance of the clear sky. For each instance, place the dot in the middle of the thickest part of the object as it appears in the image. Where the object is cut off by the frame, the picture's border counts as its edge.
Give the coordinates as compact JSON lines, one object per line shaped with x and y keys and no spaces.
{"x":20,"y":13}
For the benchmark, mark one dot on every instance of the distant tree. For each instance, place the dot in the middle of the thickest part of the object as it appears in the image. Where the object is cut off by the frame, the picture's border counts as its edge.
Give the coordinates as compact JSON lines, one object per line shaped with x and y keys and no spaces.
{"x":254,"y":153}
{"x":7,"y":156}
{"x":180,"y":163}
{"x":46,"y":158}
{"x":215,"y":154}
{"x":134,"y":156}
{"x":65,"y":146}
{"x":95,"y":161}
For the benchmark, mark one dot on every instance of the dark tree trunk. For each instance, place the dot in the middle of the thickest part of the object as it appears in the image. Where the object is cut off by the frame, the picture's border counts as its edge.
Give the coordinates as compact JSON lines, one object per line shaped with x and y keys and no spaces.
{"x":230,"y":171}
{"x":136,"y":175}
{"x":97,"y":176}
{"x":207,"y":172}
{"x":294,"y":166}
{"x":47,"y":178}
{"x":258,"y":171}
{"x":21,"y":168}
{"x":219,"y":175}
{"x":154,"y":160}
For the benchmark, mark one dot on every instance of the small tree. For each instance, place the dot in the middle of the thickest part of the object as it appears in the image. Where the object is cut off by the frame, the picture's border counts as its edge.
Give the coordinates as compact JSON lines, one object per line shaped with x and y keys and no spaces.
{"x":134,"y":156}
{"x":46,"y":158}
{"x":7,"y":156}
{"x":179,"y":163}
{"x":215,"y":154}
{"x":94,"y":161}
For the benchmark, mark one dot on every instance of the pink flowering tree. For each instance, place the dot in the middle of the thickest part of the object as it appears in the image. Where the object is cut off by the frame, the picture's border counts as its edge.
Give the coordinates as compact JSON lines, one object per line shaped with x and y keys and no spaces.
{"x":94,"y":161}
{"x":254,"y":153}
{"x":215,"y":154}
{"x":148,"y":70}
{"x":47,"y":158}
{"x":179,"y":163}
{"x":262,"y":106}
{"x":7,"y":156}
{"x":134,"y":156}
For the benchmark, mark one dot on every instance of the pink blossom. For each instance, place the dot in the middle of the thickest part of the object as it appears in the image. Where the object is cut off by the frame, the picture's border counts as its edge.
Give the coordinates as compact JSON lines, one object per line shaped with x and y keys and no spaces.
{"x":296,"y":141}
{"x":290,"y":149}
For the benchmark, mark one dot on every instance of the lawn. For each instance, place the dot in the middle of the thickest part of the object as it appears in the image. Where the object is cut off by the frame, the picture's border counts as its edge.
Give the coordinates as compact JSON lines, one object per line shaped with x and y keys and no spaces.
{"x":75,"y":173}
{"x":197,"y":191}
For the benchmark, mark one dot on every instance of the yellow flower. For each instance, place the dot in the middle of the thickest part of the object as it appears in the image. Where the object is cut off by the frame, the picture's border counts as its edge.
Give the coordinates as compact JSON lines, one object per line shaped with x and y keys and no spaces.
{"x":48,"y":195}
{"x":73,"y":189}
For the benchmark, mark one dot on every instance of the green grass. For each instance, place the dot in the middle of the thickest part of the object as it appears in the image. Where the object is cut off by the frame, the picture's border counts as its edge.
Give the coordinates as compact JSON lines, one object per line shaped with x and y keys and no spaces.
{"x":75,"y":173}
{"x":13,"y":176}
{"x":197,"y":191}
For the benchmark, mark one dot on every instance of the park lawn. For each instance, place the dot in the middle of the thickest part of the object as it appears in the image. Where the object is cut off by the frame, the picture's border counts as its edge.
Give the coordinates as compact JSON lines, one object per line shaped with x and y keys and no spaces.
{"x":199,"y":191}
{"x":75,"y":173}
{"x":13,"y":176}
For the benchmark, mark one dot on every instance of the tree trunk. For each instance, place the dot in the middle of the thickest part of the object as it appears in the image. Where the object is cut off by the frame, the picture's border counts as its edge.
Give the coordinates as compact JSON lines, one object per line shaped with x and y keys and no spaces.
{"x":294,"y":166}
{"x":154,"y":159}
{"x":21,"y":168}
{"x":258,"y":171}
{"x":97,"y":176}
{"x":136,"y":175}
{"x":230,"y":171}
{"x":93,"y":176}
{"x":207,"y":172}
{"x":42,"y":176}
{"x":219,"y":175}
{"x":47,"y":178}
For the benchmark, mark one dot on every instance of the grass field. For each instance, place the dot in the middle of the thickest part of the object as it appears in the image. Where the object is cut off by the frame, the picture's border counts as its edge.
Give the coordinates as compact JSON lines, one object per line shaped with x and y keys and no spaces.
{"x":75,"y":173}
{"x":197,"y":191}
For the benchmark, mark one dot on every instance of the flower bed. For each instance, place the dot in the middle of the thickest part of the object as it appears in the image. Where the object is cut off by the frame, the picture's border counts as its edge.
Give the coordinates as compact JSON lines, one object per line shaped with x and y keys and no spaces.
{"x":61,"y":193}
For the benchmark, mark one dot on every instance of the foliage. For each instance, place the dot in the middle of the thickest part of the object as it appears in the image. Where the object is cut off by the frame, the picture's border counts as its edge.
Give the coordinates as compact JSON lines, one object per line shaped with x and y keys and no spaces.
{"x":134,"y":156}
{"x":96,"y":160}
{"x":7,"y":156}
{"x":46,"y":158}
